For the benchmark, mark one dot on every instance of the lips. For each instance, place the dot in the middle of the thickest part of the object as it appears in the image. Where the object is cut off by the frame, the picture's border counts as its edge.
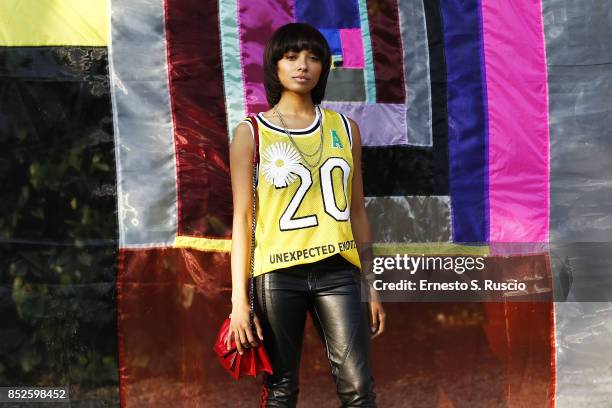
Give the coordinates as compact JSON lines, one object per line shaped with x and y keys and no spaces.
{"x":301,"y":78}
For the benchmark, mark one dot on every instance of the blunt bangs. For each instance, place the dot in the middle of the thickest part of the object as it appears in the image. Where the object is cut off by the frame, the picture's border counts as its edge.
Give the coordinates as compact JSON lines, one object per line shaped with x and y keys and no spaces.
{"x":295,"y":37}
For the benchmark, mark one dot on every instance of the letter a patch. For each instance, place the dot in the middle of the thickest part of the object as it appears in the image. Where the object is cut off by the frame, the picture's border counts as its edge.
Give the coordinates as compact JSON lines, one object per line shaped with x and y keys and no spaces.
{"x":336,"y":140}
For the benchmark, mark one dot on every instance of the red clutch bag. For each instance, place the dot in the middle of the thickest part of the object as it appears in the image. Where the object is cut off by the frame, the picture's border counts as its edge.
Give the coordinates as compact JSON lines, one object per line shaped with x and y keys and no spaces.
{"x":254,"y":359}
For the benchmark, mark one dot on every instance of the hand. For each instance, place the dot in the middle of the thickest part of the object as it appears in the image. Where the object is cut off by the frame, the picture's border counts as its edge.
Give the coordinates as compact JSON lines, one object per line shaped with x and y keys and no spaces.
{"x":240,"y":328}
{"x":378,"y":318}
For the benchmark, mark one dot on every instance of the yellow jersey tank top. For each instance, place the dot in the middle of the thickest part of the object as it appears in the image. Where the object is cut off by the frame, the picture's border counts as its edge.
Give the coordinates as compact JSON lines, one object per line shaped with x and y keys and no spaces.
{"x":303,"y":212}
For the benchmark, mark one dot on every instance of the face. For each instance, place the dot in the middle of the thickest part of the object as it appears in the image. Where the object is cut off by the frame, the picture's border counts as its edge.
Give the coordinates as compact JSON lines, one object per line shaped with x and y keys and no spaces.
{"x":299,"y":71}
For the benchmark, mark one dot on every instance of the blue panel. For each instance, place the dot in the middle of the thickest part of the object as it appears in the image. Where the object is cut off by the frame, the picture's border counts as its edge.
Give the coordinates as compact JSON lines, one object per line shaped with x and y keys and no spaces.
{"x":467,"y":132}
{"x":328,"y":14}
{"x":332,"y":36}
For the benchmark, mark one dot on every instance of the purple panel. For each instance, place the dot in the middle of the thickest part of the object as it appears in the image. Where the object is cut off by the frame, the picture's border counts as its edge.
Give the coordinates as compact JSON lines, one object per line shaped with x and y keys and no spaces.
{"x":381,"y":124}
{"x":466,"y":109}
{"x":257,"y":20}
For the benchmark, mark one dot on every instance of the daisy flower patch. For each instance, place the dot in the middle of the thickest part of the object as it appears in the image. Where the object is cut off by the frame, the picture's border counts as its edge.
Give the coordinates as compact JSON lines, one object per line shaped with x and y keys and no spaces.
{"x":280,"y":161}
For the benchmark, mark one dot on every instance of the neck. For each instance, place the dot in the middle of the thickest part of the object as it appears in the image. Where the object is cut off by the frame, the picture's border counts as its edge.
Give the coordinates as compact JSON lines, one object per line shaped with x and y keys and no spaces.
{"x":295,"y":104}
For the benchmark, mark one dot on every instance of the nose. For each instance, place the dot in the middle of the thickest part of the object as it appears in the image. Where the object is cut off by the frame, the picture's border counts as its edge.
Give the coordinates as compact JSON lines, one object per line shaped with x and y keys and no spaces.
{"x":302,"y":63}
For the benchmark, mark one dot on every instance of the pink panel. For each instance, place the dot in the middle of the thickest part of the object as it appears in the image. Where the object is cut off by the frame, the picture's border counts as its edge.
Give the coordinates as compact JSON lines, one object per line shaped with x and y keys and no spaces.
{"x":257,"y":20}
{"x":515,"y":61}
{"x":352,"y":48}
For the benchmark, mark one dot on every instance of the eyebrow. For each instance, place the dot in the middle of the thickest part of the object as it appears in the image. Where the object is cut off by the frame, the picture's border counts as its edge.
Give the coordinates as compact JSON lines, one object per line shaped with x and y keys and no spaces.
{"x":297,"y":52}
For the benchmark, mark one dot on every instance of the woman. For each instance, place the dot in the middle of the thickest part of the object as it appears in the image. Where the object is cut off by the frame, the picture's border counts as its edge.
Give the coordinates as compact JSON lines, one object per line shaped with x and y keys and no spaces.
{"x":310,"y":213}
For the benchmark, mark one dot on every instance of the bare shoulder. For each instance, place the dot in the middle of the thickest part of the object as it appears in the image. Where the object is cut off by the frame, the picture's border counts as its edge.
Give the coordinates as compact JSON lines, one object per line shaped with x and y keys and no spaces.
{"x":243,"y":133}
{"x":354,"y":132}
{"x":242,"y":143}
{"x":353,"y":124}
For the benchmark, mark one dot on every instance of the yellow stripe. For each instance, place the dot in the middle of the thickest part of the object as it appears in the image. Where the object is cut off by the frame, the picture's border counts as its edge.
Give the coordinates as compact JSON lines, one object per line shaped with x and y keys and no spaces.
{"x":203,"y":244}
{"x":54,"y":23}
{"x":446,"y":248}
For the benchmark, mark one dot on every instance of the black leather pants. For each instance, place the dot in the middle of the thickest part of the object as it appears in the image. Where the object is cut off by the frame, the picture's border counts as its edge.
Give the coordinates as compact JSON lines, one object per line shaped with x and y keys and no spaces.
{"x":329,"y":290}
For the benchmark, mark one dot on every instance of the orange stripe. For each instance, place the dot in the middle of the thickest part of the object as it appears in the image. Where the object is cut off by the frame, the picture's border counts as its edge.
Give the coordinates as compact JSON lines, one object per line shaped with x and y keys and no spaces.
{"x":264,"y":393}
{"x":553,"y":358}
{"x":121,"y":262}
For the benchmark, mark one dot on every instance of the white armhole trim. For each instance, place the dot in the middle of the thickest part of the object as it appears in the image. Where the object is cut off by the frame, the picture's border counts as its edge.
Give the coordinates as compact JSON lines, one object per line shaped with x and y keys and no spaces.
{"x":347,"y":126}
{"x":253,"y":135}
{"x":251,"y":126}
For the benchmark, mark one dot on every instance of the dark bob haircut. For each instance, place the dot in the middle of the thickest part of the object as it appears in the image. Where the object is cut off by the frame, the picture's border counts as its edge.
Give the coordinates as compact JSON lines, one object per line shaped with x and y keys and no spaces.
{"x":295,"y":37}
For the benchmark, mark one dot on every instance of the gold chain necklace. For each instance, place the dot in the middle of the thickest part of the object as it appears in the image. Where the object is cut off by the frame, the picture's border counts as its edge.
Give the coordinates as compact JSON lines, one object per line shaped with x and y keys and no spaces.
{"x":304,"y":154}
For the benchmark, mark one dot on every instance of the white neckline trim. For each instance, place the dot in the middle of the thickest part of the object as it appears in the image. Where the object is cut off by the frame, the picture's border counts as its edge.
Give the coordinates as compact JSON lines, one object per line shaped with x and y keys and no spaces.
{"x":311,"y":128}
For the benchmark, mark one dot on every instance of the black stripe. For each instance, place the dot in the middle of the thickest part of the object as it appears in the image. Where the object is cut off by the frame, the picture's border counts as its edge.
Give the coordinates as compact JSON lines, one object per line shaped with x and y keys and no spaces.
{"x":439,"y":115}
{"x":408,"y":170}
{"x":397,"y":170}
{"x":58,"y":217}
{"x":57,"y":64}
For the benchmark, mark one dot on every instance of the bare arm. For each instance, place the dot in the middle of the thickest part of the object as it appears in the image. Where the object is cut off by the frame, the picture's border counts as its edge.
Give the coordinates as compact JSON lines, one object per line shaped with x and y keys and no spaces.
{"x":362,"y":232}
{"x":241,"y":153}
{"x":359,"y":217}
{"x":241,"y":169}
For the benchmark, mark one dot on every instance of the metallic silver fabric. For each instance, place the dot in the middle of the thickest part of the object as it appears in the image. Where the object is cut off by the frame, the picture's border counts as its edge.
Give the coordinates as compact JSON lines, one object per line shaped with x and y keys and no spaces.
{"x":579,"y":54}
{"x":144,"y":137}
{"x":345,"y":84}
{"x":409,"y":219}
{"x":416,"y":72}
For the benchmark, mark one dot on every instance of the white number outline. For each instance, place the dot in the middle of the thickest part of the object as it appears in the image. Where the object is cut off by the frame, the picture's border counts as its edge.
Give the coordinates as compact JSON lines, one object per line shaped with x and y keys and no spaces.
{"x":287,"y":223}
{"x":327,"y":187}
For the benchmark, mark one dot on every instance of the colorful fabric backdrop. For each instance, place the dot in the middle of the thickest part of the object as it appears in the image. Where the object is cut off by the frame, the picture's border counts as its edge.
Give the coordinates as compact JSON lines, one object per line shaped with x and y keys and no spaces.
{"x":484,"y":129}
